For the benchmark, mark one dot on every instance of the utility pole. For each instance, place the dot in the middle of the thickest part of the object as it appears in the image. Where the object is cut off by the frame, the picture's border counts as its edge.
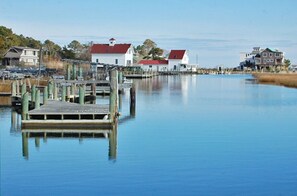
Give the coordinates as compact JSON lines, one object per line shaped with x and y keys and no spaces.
{"x":40,"y":61}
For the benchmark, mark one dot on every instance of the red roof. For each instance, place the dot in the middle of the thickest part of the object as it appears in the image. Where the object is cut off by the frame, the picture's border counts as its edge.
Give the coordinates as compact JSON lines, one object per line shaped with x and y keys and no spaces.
{"x":153,"y":62}
{"x":177,"y":54}
{"x":107,"y":49}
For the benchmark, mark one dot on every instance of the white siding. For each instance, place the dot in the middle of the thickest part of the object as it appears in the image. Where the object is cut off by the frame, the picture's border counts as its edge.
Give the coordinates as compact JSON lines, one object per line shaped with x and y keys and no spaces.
{"x":157,"y":68}
{"x":123,"y":59}
{"x":177,"y":62}
{"x":30,"y":57}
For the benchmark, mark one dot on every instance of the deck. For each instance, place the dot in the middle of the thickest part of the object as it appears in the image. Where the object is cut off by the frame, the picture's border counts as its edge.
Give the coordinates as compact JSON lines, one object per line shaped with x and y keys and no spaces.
{"x":59,"y":114}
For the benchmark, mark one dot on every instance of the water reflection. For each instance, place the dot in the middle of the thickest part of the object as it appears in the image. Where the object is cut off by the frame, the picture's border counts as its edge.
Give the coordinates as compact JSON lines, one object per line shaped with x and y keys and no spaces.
{"x":36,"y":134}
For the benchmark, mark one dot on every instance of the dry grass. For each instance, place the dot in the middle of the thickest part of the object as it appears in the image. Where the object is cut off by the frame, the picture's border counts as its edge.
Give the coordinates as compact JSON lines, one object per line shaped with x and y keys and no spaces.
{"x":5,"y":85}
{"x":288,"y":80}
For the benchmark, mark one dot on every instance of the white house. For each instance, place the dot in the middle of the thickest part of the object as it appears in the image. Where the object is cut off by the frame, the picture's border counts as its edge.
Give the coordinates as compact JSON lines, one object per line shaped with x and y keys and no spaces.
{"x":21,"y":55}
{"x":178,"y":60}
{"x":154,"y":65}
{"x":112,"y":53}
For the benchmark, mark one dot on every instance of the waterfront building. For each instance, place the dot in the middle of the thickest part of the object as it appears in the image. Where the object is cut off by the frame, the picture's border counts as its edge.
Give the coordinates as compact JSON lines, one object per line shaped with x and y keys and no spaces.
{"x":112,"y":53}
{"x":17,"y":55}
{"x":178,"y":60}
{"x":268,"y":58}
{"x":261,"y":58}
{"x":154,"y":65}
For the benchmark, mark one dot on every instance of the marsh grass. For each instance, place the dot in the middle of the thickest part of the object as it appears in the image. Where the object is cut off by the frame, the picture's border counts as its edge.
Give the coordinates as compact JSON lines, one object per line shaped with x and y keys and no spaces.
{"x":288,"y":80}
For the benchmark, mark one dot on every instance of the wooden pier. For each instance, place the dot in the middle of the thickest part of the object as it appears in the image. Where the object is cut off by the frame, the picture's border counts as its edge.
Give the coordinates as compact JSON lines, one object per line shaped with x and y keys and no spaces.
{"x":59,"y":114}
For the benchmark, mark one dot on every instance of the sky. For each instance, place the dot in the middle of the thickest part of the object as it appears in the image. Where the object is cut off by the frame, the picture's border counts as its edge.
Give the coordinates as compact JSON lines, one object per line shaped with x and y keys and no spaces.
{"x":213,"y":31}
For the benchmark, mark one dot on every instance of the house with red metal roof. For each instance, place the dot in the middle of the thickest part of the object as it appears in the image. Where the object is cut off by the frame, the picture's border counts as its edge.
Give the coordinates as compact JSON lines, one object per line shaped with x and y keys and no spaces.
{"x":112,"y":53}
{"x":154,"y":65}
{"x":178,"y":60}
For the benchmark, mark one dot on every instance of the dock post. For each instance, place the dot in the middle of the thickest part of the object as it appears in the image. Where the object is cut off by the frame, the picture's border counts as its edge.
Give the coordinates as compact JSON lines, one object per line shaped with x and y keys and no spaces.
{"x":68,"y":93}
{"x":68,"y":72}
{"x":80,"y":72}
{"x":13,"y":89}
{"x":73,"y":71}
{"x":55,"y":91}
{"x":33,"y":91}
{"x":50,"y":89}
{"x":73,"y":90}
{"x":113,"y":97}
{"x":81,"y":95}
{"x":45,"y":95}
{"x":17,"y":88}
{"x":25,"y":106}
{"x":37,"y":99}
{"x":24,"y":89}
{"x":63,"y":93}
{"x":132,"y":100}
{"x":93,"y":89}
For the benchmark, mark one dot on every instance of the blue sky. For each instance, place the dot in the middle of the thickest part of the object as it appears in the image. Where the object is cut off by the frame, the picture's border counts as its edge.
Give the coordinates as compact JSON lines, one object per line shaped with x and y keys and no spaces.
{"x":216,"y":31}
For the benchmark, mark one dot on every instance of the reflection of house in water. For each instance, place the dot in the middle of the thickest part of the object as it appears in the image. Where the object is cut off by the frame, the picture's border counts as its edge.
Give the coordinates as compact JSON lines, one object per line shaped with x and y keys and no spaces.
{"x":111,"y":135}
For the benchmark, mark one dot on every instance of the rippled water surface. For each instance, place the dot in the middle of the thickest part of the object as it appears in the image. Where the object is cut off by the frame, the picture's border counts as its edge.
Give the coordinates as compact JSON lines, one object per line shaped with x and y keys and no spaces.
{"x":189,"y":135}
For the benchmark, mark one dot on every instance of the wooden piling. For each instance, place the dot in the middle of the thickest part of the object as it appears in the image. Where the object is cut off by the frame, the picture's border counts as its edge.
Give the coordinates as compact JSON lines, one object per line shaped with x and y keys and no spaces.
{"x":13,"y":89}
{"x":80,"y":72}
{"x":45,"y":95}
{"x":113,"y":98}
{"x":17,"y":87}
{"x":68,"y":72}
{"x":73,"y":71}
{"x":55,"y":91}
{"x":37,"y":99}
{"x":25,"y":105}
{"x":132,"y":100}
{"x":33,"y":91}
{"x":93,"y":89}
{"x":63,"y":93}
{"x":81,"y":95}
{"x":50,"y":89}
{"x":24,"y":89}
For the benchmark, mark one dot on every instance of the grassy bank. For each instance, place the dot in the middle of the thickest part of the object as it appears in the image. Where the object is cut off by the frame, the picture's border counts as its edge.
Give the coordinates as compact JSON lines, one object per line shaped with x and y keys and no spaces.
{"x":288,"y":80}
{"x":5,"y":85}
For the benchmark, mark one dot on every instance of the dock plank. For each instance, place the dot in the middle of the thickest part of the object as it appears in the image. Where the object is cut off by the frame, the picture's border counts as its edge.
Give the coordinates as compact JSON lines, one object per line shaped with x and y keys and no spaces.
{"x":61,"y":107}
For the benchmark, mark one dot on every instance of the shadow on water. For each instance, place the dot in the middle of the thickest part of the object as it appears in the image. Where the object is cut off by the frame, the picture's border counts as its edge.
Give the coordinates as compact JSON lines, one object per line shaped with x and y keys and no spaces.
{"x":45,"y":134}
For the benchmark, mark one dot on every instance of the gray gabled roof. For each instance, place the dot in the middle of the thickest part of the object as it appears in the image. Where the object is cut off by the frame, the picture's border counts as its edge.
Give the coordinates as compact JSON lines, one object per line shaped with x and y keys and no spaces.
{"x":16,"y":51}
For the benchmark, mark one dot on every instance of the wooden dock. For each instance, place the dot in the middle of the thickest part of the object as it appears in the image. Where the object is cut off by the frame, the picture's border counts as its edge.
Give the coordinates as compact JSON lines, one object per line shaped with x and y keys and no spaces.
{"x":64,"y":114}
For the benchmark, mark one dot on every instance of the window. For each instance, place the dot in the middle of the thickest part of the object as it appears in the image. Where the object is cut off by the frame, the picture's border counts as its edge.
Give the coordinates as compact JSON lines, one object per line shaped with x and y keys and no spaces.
{"x":150,"y":66}
{"x":25,"y":52}
{"x":116,"y":61}
{"x":270,"y":54}
{"x":129,"y":62}
{"x":264,"y":54}
{"x":34,"y":53}
{"x":97,"y":60}
{"x":277,"y":54}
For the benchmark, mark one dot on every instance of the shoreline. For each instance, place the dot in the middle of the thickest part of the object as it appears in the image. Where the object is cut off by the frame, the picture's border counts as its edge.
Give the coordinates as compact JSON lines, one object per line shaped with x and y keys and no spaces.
{"x":287,"y":80}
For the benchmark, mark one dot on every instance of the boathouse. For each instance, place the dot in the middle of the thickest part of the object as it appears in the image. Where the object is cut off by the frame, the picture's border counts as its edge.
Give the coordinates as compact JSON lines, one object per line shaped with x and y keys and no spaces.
{"x":154,"y":65}
{"x":112,"y":53}
{"x":178,"y":60}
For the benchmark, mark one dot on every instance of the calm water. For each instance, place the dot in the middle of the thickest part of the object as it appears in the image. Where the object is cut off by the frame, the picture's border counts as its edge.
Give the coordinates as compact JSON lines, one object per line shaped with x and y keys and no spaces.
{"x":189,"y":135}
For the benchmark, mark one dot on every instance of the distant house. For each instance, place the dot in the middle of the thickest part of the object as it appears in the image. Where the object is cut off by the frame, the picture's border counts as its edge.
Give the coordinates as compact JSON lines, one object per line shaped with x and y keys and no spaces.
{"x":178,"y":60}
{"x":21,"y":56}
{"x":154,"y":65}
{"x":261,"y":58}
{"x":112,"y":53}
{"x":268,"y":58}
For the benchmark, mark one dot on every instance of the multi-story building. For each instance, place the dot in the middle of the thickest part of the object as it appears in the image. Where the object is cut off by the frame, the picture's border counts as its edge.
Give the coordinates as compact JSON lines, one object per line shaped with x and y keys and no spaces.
{"x":17,"y":55}
{"x":261,"y":58}
{"x":268,"y":58}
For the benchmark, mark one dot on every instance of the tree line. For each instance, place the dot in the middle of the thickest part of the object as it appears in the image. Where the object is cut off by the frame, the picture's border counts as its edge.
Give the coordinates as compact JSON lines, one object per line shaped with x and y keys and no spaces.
{"x":74,"y":50}
{"x":50,"y":50}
